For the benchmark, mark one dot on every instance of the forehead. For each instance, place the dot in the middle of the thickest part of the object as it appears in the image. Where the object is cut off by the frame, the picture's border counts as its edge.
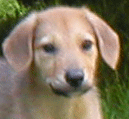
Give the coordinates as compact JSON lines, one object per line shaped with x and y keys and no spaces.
{"x":63,"y":22}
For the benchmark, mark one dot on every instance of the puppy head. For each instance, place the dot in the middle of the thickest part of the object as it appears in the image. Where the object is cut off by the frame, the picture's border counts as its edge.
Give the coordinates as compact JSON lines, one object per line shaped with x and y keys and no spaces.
{"x":63,"y":44}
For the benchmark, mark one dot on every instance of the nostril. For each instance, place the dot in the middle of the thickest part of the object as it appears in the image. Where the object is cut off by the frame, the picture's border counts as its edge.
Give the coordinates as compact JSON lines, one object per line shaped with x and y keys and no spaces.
{"x":74,"y":77}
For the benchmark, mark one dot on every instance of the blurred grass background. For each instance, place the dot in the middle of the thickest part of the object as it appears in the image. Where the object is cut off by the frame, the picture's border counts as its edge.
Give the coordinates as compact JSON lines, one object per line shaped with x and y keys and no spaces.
{"x":114,"y":85}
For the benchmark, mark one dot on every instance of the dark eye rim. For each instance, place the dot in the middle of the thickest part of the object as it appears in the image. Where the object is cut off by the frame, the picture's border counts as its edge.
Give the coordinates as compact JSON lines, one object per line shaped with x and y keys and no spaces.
{"x":87,"y":45}
{"x":49,"y":48}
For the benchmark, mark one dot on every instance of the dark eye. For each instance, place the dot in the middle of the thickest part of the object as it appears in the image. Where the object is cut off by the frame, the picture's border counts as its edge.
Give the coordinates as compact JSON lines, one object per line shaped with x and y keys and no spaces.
{"x":49,"y":48}
{"x":86,"y":45}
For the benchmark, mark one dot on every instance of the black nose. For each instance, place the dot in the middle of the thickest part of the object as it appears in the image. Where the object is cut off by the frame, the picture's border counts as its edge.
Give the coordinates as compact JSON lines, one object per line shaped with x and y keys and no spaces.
{"x":74,"y":77}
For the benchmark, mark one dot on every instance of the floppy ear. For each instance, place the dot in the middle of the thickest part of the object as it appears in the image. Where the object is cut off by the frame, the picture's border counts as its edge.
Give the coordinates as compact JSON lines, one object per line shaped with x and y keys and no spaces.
{"x":17,"y":47}
{"x":108,"y":39}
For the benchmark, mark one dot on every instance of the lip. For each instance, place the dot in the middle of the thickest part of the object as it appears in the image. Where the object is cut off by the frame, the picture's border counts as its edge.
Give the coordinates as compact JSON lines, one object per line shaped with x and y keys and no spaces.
{"x":70,"y":91}
{"x":59,"y":92}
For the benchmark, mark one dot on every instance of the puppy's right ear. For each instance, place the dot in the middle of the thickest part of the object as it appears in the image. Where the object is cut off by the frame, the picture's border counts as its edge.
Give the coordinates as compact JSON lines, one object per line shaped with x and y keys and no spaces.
{"x":17,"y":47}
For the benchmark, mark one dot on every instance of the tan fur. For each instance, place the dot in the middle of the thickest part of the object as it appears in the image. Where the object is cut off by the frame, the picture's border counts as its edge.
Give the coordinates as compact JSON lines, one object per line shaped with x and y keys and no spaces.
{"x":36,"y":72}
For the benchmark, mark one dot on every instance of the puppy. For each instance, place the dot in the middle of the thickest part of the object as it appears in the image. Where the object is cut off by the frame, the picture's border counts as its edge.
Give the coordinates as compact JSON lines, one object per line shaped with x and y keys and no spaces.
{"x":52,"y":58}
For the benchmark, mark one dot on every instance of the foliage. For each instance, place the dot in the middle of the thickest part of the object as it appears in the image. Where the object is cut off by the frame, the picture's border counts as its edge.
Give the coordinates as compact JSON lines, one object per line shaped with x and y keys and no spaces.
{"x":11,"y":8}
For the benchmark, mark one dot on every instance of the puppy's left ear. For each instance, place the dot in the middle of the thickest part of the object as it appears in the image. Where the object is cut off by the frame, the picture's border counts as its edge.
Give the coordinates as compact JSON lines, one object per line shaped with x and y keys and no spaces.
{"x":17,"y":47}
{"x":108,"y":39}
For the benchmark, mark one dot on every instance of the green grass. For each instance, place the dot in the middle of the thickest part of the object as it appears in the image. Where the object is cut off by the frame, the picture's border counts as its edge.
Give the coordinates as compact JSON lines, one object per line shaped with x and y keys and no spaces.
{"x":114,"y":86}
{"x":115,"y":100}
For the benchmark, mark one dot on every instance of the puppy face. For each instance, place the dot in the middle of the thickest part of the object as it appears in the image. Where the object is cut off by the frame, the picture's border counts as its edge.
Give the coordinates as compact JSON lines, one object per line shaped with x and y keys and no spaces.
{"x":63,"y":43}
{"x":66,"y":52}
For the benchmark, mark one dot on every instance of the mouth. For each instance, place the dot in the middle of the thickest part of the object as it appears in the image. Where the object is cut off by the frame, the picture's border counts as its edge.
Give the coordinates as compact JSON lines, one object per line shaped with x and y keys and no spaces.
{"x":59,"y":92}
{"x":69,"y":91}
